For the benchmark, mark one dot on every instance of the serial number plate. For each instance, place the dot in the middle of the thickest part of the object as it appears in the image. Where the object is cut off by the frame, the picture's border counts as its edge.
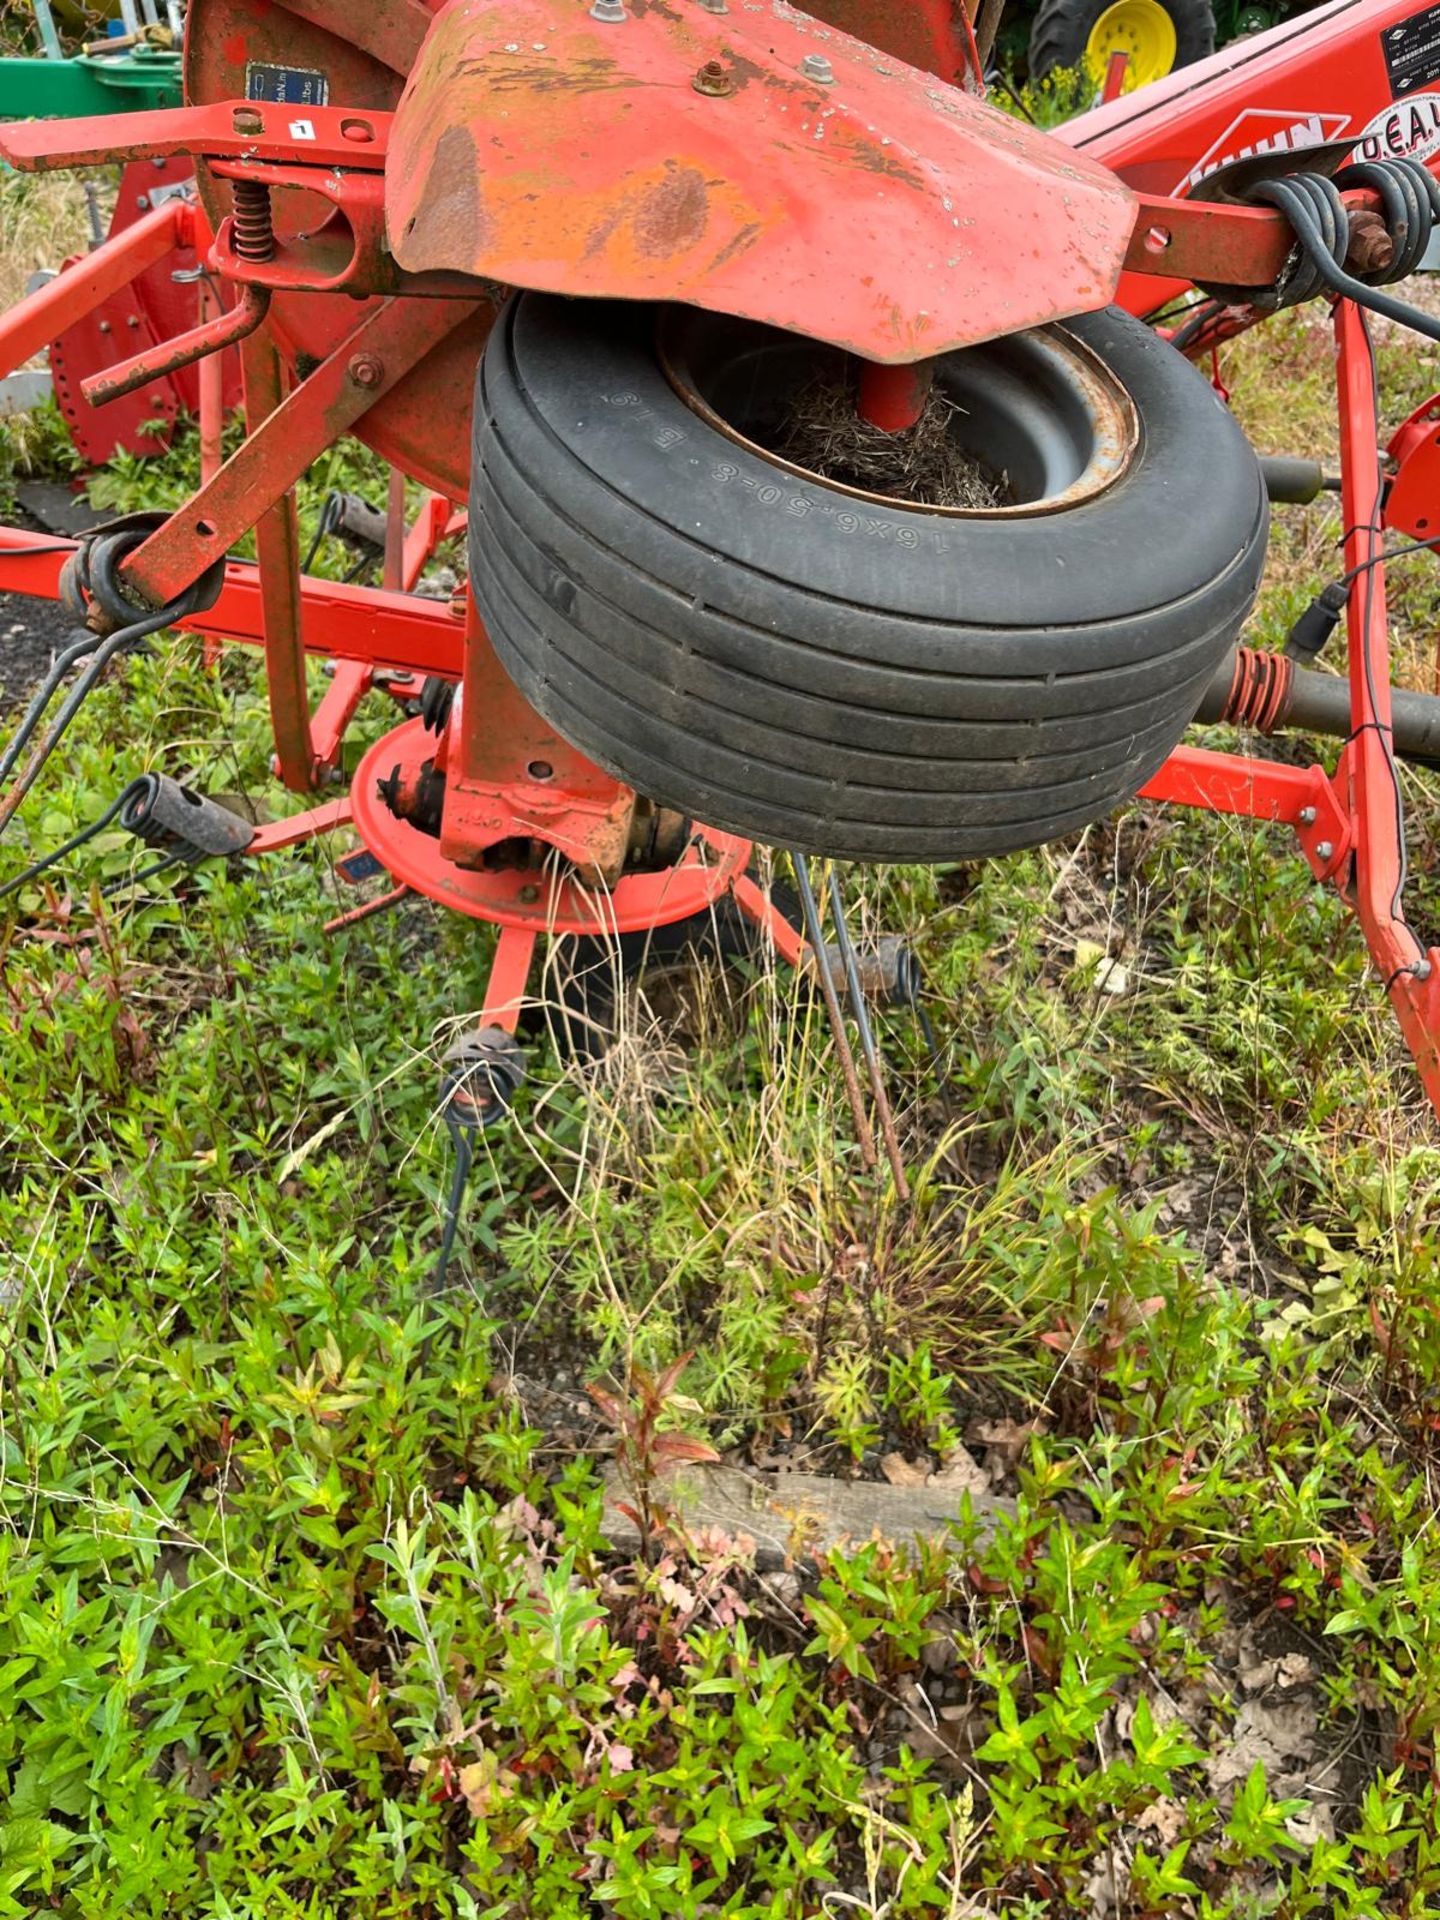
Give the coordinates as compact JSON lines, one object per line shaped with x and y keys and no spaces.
{"x":286,"y":86}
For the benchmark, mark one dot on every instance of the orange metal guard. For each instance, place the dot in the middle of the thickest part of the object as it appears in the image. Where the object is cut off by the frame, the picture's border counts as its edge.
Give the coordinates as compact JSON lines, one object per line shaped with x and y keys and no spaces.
{"x":755,"y":162}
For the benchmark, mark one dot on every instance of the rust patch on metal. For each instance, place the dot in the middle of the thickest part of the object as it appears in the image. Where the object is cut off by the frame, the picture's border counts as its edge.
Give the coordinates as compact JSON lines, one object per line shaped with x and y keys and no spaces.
{"x":452,"y":209}
{"x":673,"y":215}
{"x":737,"y":244}
{"x":577,"y":76}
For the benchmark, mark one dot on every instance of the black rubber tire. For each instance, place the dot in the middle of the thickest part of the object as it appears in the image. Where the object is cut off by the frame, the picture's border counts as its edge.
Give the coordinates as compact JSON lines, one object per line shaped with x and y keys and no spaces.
{"x":879,"y":684}
{"x":1061,"y":32}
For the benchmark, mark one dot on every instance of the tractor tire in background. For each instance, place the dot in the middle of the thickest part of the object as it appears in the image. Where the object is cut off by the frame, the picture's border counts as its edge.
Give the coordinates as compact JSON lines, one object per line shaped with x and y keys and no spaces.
{"x":820,"y":667}
{"x":1158,"y":35}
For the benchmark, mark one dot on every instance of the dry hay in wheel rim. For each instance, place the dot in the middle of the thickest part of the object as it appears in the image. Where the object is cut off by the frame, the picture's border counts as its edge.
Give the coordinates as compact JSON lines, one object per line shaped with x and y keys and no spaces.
{"x":925,"y":465}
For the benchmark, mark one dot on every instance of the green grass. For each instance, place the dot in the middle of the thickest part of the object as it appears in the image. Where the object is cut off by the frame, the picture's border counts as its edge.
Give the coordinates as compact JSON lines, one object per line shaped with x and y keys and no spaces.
{"x":305,"y":1604}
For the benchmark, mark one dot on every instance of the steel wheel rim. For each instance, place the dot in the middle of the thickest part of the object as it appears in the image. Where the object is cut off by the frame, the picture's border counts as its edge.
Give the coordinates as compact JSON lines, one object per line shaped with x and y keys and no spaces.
{"x":1044,"y":409}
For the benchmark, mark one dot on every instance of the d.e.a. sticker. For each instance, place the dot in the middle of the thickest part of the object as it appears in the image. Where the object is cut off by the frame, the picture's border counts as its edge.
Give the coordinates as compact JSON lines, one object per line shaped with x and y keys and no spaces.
{"x":1409,"y":130}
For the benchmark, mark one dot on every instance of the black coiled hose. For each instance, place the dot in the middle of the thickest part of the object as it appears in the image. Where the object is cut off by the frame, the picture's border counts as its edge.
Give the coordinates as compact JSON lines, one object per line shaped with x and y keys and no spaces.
{"x":1312,"y":203}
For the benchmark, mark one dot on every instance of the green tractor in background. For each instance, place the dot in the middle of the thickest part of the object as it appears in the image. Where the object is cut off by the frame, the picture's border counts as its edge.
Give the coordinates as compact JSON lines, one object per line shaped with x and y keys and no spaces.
{"x":1158,"y":35}
{"x":116,"y":55}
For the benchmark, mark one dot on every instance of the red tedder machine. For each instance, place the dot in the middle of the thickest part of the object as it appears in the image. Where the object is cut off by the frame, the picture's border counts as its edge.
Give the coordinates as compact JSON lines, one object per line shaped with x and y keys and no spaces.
{"x":591,"y":271}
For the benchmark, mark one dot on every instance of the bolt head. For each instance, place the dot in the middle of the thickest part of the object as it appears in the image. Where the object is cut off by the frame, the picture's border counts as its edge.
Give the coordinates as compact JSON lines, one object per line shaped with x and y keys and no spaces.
{"x":714,"y":6}
{"x":816,"y":67}
{"x":1324,"y":849}
{"x":142,"y":201}
{"x":1307,"y":816}
{"x":366,"y":371}
{"x":713,"y":79}
{"x":104,"y":326}
{"x":1421,"y":970}
{"x":612,"y":12}
{"x":245,"y":120}
{"x":528,"y":894}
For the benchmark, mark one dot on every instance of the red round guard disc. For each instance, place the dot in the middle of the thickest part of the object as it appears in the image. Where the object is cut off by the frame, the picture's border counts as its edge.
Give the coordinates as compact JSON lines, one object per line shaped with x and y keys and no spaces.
{"x":711,"y":864}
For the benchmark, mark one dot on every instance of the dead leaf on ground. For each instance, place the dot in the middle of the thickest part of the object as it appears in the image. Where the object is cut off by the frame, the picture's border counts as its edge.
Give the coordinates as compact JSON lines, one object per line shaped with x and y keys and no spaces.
{"x":1165,"y":1819}
{"x":1008,"y":1438}
{"x":962,"y":1473}
{"x":901,"y":1472}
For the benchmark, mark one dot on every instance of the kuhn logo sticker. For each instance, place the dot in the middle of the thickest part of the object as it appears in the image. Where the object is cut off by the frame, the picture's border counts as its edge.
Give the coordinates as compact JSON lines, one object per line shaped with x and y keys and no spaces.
{"x":1264,"y":130}
{"x":1407,"y":131}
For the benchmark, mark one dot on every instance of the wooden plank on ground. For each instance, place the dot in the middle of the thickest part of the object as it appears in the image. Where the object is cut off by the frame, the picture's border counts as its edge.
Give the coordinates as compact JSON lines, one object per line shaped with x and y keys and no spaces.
{"x":789,"y":1516}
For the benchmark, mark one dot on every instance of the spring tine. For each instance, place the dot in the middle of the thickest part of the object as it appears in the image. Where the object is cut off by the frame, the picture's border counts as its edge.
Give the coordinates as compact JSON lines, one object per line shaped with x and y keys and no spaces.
{"x":867,"y":1038}
{"x":832,"y":1007}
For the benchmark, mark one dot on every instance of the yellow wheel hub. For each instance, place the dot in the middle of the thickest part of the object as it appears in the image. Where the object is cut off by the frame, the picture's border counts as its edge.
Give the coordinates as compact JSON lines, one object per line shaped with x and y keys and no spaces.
{"x":1140,"y":28}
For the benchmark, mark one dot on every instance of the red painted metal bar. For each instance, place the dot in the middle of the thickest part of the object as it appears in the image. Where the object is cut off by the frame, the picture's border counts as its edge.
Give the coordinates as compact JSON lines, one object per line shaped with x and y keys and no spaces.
{"x":1300,"y":797}
{"x":235,"y":130}
{"x":368,"y":909}
{"x":37,"y":320}
{"x":509,"y":972}
{"x":277,"y":547}
{"x":212,"y":397}
{"x":340,"y":622}
{"x":893,"y":398}
{"x":1116,"y":68}
{"x":759,"y":909}
{"x":393,"y":574}
{"x":432,"y":524}
{"x":276,"y":834}
{"x":349,"y":684}
{"x":1409,"y":972}
{"x":212,"y":336}
{"x":285,"y":438}
{"x":1203,"y":240}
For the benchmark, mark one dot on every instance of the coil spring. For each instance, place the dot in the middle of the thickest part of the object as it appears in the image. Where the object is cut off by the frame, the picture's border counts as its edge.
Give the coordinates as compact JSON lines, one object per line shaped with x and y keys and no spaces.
{"x":1410,"y":207}
{"x":254,"y":227}
{"x":1259,"y":695}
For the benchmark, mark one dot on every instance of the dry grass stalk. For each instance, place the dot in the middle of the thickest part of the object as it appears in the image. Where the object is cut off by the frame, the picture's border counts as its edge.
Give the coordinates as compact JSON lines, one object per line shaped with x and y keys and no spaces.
{"x":924,"y":464}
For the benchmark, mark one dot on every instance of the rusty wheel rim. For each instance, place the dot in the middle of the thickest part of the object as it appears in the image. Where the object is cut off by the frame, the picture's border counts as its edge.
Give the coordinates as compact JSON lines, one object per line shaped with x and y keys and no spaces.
{"x":1042,"y":408}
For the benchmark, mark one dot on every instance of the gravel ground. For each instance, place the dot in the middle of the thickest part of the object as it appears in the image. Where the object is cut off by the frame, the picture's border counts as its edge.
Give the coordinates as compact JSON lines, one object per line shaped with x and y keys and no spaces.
{"x":32,"y":632}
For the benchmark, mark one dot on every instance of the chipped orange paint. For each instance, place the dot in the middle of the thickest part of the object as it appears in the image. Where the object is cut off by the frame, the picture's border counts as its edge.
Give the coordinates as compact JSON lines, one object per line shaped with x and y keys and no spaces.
{"x":881,"y":210}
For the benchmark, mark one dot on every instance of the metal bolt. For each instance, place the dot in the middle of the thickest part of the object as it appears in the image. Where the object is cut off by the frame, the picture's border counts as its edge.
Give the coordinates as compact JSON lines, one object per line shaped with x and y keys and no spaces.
{"x":1372,"y":246}
{"x":714,"y":6}
{"x":132,"y":320}
{"x":816,"y":67}
{"x":713,"y":79}
{"x":247,"y":120}
{"x":1421,"y":970}
{"x":365,"y":370}
{"x":158,"y":162}
{"x":1324,"y":849}
{"x":104,"y":326}
{"x":1307,"y":816}
{"x":612,"y":12}
{"x":528,"y":895}
{"x":142,"y":201}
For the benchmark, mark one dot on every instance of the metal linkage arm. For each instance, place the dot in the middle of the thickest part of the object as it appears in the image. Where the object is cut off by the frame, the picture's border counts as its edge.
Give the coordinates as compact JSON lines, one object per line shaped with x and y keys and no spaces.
{"x":38,"y":319}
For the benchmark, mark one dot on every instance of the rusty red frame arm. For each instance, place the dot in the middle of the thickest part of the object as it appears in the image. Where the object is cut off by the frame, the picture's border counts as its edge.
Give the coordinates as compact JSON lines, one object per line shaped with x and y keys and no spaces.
{"x":30,"y":327}
{"x":224,"y":329}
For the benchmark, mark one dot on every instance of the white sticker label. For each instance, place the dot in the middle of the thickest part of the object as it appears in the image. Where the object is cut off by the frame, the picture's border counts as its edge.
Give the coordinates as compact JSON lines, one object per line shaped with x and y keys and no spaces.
{"x":302,"y":129}
{"x":1408,"y":130}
